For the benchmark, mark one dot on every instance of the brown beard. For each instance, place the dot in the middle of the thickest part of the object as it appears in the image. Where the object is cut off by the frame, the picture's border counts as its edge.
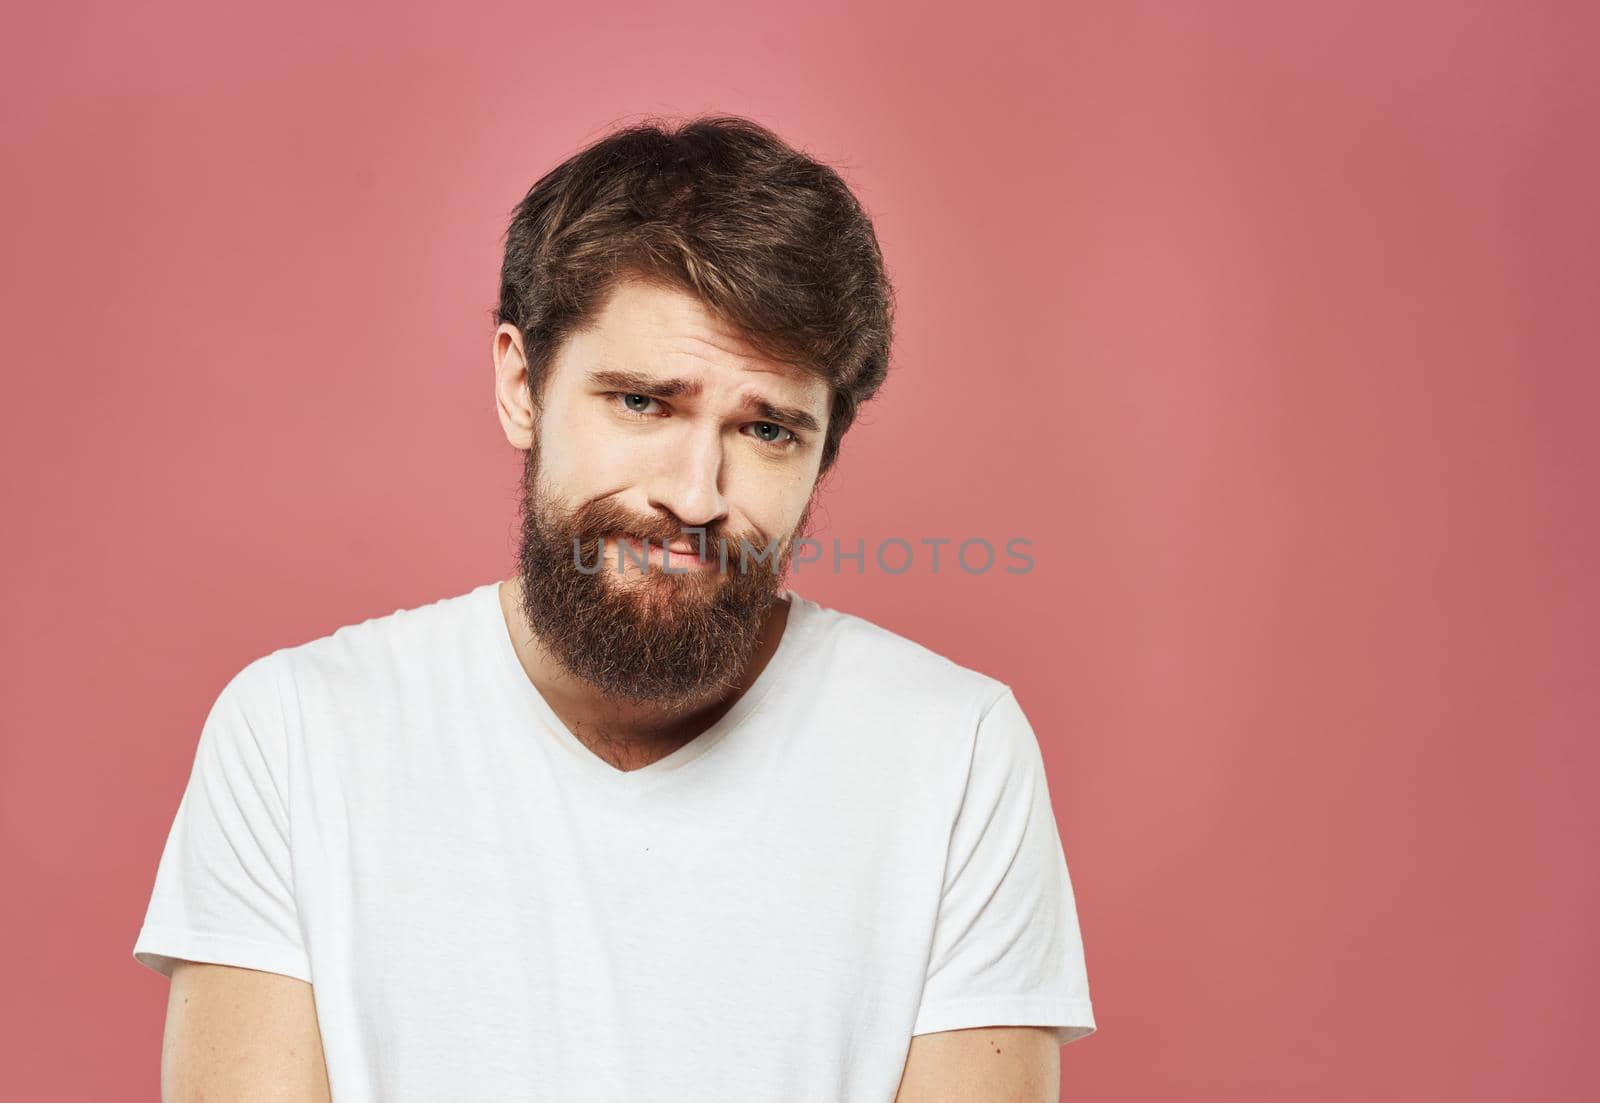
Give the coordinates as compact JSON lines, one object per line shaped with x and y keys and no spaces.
{"x":652,"y":636}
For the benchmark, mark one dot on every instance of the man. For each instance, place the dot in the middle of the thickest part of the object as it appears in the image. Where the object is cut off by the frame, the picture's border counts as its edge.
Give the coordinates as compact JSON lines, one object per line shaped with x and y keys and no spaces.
{"x":638,"y":823}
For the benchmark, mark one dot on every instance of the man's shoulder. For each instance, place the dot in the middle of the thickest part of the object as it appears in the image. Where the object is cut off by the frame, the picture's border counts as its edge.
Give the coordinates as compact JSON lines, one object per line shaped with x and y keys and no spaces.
{"x":904,"y":714}
{"x":869,"y":656}
{"x":392,"y":644}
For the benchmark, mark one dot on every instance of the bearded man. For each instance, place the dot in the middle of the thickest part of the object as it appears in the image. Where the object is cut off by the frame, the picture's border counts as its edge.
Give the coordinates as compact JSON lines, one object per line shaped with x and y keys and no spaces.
{"x":639,"y":822}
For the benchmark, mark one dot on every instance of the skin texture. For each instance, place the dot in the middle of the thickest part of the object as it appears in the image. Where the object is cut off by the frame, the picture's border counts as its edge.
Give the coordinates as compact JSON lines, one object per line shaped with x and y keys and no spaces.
{"x":248,"y":1036}
{"x":241,"y":1035}
{"x":991,"y":1064}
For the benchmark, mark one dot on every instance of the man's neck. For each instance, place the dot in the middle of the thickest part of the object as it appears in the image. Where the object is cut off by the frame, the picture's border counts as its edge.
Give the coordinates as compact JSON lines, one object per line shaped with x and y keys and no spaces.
{"x":624,"y":734}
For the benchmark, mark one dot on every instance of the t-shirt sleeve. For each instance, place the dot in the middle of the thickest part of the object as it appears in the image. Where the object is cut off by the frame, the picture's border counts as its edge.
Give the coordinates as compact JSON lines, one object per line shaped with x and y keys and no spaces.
{"x":1007,"y":950}
{"x":224,"y":889}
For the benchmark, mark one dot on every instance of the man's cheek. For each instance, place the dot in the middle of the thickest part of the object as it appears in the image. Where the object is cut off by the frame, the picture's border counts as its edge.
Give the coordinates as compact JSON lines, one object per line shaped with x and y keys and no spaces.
{"x":587,"y":468}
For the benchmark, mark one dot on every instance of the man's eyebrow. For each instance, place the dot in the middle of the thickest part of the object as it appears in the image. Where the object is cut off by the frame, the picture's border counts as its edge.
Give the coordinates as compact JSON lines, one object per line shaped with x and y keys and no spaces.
{"x":792,"y":416}
{"x":639,"y":383}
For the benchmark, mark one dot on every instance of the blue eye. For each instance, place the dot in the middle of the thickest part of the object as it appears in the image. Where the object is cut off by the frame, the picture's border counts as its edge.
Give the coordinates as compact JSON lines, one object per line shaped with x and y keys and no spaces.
{"x":778,"y":434}
{"x":769,"y":433}
{"x":636,"y":403}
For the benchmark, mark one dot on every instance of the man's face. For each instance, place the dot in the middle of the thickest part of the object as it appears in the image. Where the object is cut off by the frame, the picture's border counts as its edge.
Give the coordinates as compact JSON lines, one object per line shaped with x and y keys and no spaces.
{"x":656,"y":419}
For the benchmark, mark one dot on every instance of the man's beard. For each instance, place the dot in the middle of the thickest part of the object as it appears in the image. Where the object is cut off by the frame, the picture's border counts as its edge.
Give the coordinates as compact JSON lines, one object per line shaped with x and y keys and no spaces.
{"x":649,"y":636}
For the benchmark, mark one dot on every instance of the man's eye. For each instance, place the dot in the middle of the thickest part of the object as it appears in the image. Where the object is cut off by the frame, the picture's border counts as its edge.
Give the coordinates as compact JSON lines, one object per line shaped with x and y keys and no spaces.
{"x":636,"y":403}
{"x":768,"y":433}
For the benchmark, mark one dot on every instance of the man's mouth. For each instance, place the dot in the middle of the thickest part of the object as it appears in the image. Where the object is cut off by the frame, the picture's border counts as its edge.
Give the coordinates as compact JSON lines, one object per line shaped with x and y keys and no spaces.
{"x":681,"y":554}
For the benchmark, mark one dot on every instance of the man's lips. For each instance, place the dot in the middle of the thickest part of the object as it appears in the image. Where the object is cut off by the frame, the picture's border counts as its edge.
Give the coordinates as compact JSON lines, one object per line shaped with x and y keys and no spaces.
{"x":679,"y":554}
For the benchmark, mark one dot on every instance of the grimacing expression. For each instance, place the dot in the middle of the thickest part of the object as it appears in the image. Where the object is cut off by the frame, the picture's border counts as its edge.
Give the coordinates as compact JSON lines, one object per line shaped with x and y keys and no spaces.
{"x":654,"y":419}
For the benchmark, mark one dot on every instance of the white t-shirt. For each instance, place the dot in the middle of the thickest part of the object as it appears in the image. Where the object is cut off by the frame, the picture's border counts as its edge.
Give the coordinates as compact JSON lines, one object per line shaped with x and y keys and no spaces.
{"x":860,"y":850}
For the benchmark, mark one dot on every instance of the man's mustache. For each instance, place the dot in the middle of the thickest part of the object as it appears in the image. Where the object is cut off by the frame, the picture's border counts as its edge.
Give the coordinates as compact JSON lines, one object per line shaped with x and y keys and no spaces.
{"x":606,"y":519}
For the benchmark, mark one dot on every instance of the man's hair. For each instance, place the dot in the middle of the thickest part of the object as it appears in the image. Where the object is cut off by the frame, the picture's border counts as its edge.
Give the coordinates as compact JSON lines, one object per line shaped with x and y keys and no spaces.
{"x":769,"y":239}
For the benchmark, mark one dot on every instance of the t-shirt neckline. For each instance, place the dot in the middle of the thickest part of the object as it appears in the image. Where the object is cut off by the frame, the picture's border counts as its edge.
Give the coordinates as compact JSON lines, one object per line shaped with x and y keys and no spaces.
{"x":592,"y":766}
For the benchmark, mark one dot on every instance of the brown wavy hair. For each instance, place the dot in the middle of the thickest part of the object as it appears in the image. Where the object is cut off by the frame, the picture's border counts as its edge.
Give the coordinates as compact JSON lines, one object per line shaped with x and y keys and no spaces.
{"x":769,"y":239}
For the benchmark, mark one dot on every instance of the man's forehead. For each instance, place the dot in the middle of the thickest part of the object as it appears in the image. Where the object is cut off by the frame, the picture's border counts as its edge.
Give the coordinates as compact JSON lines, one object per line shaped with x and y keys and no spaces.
{"x":671,"y":319}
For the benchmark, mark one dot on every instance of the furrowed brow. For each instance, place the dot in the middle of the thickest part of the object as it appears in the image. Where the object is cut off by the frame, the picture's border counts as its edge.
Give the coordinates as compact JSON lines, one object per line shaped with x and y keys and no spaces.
{"x":792,"y":416}
{"x":639,"y":383}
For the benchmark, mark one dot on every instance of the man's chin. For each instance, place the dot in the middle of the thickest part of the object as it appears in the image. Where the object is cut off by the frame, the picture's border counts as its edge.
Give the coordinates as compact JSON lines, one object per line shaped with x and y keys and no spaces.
{"x":671,"y":639}
{"x":655,"y":589}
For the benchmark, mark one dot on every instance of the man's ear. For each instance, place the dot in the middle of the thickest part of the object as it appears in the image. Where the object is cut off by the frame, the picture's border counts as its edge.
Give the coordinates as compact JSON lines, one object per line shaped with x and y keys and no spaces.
{"x":515,"y":402}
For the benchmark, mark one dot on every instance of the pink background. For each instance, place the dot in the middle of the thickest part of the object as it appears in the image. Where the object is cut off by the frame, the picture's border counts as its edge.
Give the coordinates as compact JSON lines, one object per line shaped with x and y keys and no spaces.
{"x":1272,"y":326}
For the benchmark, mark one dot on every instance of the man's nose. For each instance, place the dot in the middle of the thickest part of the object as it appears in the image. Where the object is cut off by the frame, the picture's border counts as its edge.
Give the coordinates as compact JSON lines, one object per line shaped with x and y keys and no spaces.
{"x":687,"y":479}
